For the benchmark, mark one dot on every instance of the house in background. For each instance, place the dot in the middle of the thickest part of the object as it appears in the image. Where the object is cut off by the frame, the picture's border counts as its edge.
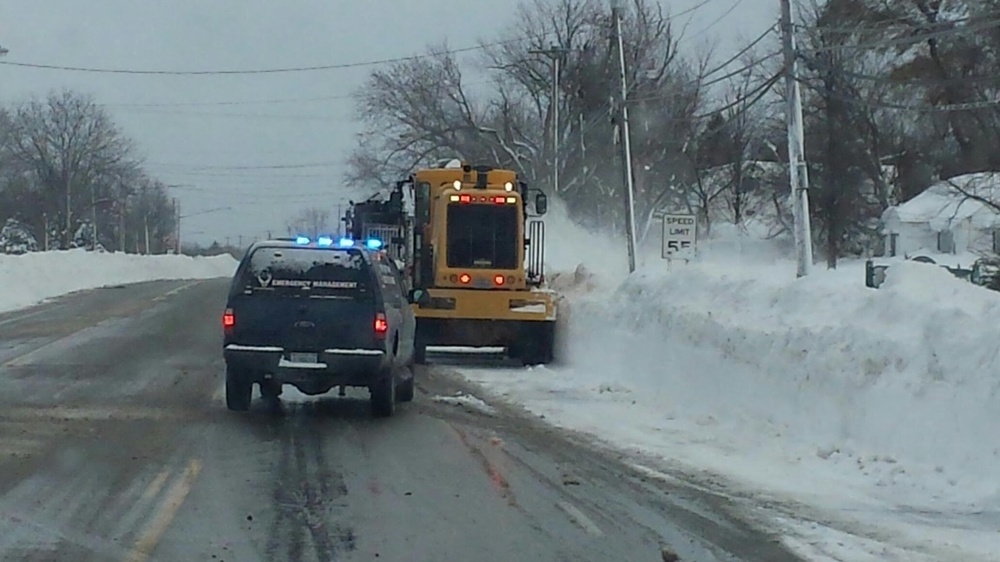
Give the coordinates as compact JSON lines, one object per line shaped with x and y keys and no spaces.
{"x":952,"y":216}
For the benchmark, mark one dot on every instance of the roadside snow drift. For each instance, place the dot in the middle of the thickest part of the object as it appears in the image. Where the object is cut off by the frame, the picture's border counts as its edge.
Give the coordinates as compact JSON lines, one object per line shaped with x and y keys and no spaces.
{"x":31,"y":278}
{"x":874,"y":406}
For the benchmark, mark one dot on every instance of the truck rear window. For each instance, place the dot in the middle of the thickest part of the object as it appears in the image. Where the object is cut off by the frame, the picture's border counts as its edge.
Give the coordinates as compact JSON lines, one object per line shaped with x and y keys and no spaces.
{"x":482,"y":236}
{"x":308,"y":272}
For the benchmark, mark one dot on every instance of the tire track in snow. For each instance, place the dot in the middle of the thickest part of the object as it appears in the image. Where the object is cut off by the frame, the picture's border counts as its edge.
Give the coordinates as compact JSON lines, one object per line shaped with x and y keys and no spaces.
{"x":308,"y":500}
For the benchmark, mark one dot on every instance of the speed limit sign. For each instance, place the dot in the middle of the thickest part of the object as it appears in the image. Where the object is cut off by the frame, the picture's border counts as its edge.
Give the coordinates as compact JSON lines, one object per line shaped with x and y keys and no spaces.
{"x":680,"y":235}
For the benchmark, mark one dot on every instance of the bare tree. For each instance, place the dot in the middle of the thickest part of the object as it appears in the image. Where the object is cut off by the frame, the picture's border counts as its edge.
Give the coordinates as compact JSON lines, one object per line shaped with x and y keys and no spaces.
{"x":421,"y":110}
{"x":148,"y":221}
{"x":69,"y":143}
{"x":312,"y":222}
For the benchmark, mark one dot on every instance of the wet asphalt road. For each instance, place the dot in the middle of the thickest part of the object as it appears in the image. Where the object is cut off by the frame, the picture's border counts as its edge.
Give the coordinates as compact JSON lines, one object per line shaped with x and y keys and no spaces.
{"x":115,"y":444}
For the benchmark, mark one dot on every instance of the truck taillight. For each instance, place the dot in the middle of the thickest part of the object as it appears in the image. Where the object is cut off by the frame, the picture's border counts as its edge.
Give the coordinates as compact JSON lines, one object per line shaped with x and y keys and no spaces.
{"x":498,"y":280}
{"x":465,"y":278}
{"x":228,"y":318}
{"x":381,"y":325}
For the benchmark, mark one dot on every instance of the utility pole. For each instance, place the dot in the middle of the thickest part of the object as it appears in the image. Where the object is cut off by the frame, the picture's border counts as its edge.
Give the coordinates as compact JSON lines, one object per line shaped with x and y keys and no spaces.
{"x":93,"y":218}
{"x":798,"y":172}
{"x":624,"y":136}
{"x":177,"y":226}
{"x":556,"y":54}
{"x":121,"y":220}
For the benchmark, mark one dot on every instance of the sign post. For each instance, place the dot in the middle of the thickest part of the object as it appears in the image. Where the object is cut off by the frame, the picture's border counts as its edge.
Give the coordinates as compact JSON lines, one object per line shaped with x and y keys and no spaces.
{"x":680,"y":236}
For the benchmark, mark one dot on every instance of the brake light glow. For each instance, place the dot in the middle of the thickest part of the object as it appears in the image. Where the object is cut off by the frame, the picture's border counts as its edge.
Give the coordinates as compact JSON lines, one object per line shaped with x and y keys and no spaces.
{"x":500,"y":200}
{"x":465,"y":278}
{"x":381,"y":325}
{"x":465,"y":198}
{"x":228,"y":318}
{"x":498,"y":279}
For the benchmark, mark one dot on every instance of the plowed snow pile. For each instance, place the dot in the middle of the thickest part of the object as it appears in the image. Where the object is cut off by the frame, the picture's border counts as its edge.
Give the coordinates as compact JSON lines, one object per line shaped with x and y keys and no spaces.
{"x":875,"y":412}
{"x":31,"y":278}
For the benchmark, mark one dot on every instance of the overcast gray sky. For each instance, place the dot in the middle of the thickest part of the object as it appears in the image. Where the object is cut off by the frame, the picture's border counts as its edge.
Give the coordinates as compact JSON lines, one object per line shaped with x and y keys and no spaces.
{"x":176,"y":140}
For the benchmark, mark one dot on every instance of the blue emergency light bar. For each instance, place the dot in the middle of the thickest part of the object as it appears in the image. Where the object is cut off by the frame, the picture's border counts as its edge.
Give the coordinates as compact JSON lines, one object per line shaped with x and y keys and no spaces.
{"x":303,"y":240}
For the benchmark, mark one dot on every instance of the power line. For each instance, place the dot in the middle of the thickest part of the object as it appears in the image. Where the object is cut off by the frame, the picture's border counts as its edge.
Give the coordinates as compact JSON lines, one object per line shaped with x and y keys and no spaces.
{"x":911,"y":39}
{"x":757,"y":94}
{"x":339,"y":66}
{"x":947,"y":108}
{"x":175,"y":113}
{"x":274,"y":101}
{"x":742,"y":52}
{"x":724,"y":15}
{"x":920,"y":80}
{"x":243,"y":177}
{"x":880,"y":25}
{"x":692,"y":9}
{"x":323,"y":164}
{"x":227,"y":103}
{"x":716,"y":80}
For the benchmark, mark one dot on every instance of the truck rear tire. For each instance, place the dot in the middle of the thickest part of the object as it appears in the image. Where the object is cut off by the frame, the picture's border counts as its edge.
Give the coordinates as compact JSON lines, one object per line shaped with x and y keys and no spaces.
{"x":239,"y":392}
{"x":383,"y":399}
{"x":420,"y":352}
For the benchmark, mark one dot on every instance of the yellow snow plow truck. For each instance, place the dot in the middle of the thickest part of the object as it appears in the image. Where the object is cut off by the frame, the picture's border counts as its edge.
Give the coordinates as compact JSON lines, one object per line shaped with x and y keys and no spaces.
{"x":476,"y":268}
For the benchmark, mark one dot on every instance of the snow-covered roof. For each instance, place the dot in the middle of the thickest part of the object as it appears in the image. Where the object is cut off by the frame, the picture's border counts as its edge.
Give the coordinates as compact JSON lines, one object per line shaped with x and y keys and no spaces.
{"x":384,"y":194}
{"x":952,"y":201}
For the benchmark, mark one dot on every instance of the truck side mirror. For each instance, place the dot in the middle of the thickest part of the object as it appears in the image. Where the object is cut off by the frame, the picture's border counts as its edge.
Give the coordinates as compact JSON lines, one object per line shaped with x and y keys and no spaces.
{"x":541,"y":204}
{"x":419,"y":297}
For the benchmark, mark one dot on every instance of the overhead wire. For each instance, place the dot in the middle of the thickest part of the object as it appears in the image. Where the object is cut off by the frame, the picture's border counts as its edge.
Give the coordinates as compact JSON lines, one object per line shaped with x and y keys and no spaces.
{"x":283,"y":70}
{"x":301,"y":165}
{"x":723,"y":16}
{"x":909,"y":20}
{"x":203,"y":114}
{"x":925,"y":108}
{"x":906,"y":40}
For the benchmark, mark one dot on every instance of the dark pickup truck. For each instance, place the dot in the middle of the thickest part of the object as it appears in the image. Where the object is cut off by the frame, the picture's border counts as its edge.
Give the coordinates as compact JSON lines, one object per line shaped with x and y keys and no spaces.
{"x":318,"y":315}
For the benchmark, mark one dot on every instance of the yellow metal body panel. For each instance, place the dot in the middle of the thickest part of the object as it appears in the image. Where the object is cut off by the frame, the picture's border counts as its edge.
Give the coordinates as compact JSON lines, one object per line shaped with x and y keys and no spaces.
{"x":472,"y":304}
{"x":480,"y":298}
{"x":442,"y":191}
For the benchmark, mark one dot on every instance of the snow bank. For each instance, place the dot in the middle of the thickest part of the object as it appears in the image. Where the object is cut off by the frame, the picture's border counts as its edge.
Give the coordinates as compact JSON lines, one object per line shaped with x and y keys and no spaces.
{"x":906,"y":373}
{"x":881,"y":408}
{"x":31,"y":278}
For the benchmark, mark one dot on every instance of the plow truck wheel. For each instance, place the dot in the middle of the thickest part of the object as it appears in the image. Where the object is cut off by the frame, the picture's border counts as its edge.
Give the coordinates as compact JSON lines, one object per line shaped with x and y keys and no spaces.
{"x":420,"y":351}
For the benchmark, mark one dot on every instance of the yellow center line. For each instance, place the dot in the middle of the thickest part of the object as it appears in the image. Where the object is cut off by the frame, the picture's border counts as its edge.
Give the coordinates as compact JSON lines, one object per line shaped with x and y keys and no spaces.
{"x":165,"y":514}
{"x":155,"y":486}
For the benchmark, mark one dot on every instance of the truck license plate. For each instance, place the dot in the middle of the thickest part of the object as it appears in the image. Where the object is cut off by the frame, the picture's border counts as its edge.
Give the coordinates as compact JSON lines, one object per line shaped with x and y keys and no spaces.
{"x":303,"y":357}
